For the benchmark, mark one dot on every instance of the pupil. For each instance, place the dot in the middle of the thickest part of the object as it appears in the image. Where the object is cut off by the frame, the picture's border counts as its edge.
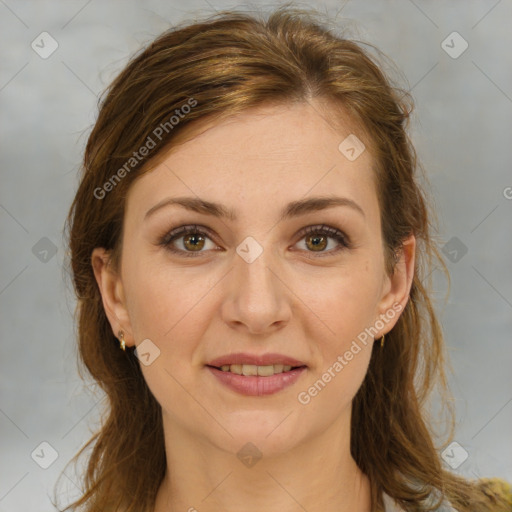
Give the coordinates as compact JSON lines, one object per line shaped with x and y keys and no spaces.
{"x":196,"y":241}
{"x":316,"y":241}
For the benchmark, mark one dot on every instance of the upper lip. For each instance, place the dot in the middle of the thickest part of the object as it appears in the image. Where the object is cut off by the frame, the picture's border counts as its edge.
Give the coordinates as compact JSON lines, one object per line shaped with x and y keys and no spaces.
{"x":258,"y":360}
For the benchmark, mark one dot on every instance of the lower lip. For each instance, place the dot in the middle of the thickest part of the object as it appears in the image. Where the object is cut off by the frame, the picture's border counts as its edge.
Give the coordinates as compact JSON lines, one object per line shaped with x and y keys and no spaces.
{"x":254,"y":385}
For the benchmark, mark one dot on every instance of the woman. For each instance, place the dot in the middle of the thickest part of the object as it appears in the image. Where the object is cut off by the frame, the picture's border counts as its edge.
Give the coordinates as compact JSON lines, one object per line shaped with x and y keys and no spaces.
{"x":248,"y":246}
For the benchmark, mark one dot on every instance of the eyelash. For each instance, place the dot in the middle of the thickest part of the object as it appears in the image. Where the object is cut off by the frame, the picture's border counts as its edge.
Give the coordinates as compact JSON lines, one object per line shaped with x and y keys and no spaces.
{"x":175,"y":234}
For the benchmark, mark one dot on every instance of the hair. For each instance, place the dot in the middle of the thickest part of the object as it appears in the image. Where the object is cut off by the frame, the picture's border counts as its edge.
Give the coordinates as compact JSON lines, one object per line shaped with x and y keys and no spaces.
{"x":220,"y":66}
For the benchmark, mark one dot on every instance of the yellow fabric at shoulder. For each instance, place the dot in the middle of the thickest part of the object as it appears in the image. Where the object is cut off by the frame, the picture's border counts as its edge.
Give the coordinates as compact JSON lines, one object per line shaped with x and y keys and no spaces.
{"x":497,"y":490}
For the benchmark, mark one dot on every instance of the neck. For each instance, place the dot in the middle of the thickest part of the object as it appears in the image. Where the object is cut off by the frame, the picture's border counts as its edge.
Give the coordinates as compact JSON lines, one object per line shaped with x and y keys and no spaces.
{"x":317,"y":475}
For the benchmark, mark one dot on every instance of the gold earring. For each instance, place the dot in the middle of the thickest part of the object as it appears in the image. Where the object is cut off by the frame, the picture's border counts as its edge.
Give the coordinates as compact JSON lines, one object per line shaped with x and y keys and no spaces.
{"x":122,"y":344}
{"x":382,"y":341}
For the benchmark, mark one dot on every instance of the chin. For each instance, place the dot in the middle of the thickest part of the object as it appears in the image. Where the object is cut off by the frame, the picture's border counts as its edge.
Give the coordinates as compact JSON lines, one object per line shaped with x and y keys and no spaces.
{"x":266,"y":431}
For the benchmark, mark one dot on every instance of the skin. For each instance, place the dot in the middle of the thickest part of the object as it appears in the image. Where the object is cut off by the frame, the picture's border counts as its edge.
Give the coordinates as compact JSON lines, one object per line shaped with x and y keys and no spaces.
{"x":291,"y":299}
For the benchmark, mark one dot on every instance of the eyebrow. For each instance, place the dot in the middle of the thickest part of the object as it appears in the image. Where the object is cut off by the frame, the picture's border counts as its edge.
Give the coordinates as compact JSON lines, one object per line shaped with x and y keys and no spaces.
{"x":293,"y":209}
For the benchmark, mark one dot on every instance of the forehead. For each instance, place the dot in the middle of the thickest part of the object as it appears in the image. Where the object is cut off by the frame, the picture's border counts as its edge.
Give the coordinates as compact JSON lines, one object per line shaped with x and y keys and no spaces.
{"x":265,"y":156}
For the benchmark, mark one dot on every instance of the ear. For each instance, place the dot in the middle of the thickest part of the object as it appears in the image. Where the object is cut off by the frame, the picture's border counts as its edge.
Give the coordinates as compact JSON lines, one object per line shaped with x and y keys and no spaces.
{"x":112,"y":294}
{"x":396,"y":288}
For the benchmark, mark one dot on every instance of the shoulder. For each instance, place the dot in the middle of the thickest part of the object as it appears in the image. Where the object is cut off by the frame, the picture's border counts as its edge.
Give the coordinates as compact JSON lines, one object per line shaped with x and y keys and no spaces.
{"x":390,"y":505}
{"x":496,"y":491}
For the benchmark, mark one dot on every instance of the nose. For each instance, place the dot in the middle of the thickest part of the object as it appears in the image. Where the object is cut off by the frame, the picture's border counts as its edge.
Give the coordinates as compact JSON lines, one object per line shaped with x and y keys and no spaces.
{"x":257,"y":300}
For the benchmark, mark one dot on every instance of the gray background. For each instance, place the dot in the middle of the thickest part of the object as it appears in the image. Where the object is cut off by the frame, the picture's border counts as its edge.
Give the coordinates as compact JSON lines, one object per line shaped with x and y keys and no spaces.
{"x":462,"y":130}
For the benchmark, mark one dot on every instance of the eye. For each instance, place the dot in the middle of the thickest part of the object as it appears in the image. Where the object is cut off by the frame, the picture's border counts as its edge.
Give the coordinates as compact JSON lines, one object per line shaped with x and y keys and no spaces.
{"x":193,"y":240}
{"x":317,"y":239}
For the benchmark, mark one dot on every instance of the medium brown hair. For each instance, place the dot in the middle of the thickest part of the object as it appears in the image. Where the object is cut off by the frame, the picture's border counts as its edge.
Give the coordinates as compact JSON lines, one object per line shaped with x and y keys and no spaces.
{"x":227,"y":64}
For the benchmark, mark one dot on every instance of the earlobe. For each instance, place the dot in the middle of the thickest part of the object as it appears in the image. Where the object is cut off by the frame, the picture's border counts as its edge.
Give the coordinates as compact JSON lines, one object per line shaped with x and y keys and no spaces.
{"x":400,"y":282}
{"x":112,"y":293}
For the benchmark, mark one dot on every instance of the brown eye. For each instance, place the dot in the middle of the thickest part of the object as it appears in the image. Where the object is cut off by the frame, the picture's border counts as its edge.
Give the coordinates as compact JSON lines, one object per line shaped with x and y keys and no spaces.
{"x":195,"y":238}
{"x":194,"y":242}
{"x":316,"y":243}
{"x":317,"y":238}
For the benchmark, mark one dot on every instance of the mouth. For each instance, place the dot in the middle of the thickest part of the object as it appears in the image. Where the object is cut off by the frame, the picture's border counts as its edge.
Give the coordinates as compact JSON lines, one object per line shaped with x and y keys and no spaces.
{"x":256,"y":380}
{"x":251,"y":370}
{"x":256,"y":374}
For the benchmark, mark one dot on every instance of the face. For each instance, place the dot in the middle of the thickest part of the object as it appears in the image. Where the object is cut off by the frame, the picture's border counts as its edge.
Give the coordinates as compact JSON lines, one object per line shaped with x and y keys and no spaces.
{"x":284,"y":276}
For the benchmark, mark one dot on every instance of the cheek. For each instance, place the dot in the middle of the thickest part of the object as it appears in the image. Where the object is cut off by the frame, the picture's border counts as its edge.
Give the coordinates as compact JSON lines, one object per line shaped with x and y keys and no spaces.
{"x":346,"y":305}
{"x":162,"y":299}
{"x":328,"y":393}
{"x":345,"y":301}
{"x":165,"y":308}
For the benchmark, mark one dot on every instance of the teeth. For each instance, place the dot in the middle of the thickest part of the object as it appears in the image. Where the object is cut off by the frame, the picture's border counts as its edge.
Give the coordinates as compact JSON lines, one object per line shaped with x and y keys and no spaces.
{"x":236,"y":368}
{"x":252,"y":369}
{"x":265,"y":371}
{"x":249,"y":369}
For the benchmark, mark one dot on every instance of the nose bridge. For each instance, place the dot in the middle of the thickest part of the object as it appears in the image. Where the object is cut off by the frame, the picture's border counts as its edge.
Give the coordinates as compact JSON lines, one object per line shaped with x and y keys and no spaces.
{"x":252,"y":268}
{"x":256,"y":296}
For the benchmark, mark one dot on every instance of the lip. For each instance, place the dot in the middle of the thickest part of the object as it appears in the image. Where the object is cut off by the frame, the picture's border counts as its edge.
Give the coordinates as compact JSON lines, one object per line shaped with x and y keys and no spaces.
{"x":253,"y":385}
{"x":258,"y":360}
